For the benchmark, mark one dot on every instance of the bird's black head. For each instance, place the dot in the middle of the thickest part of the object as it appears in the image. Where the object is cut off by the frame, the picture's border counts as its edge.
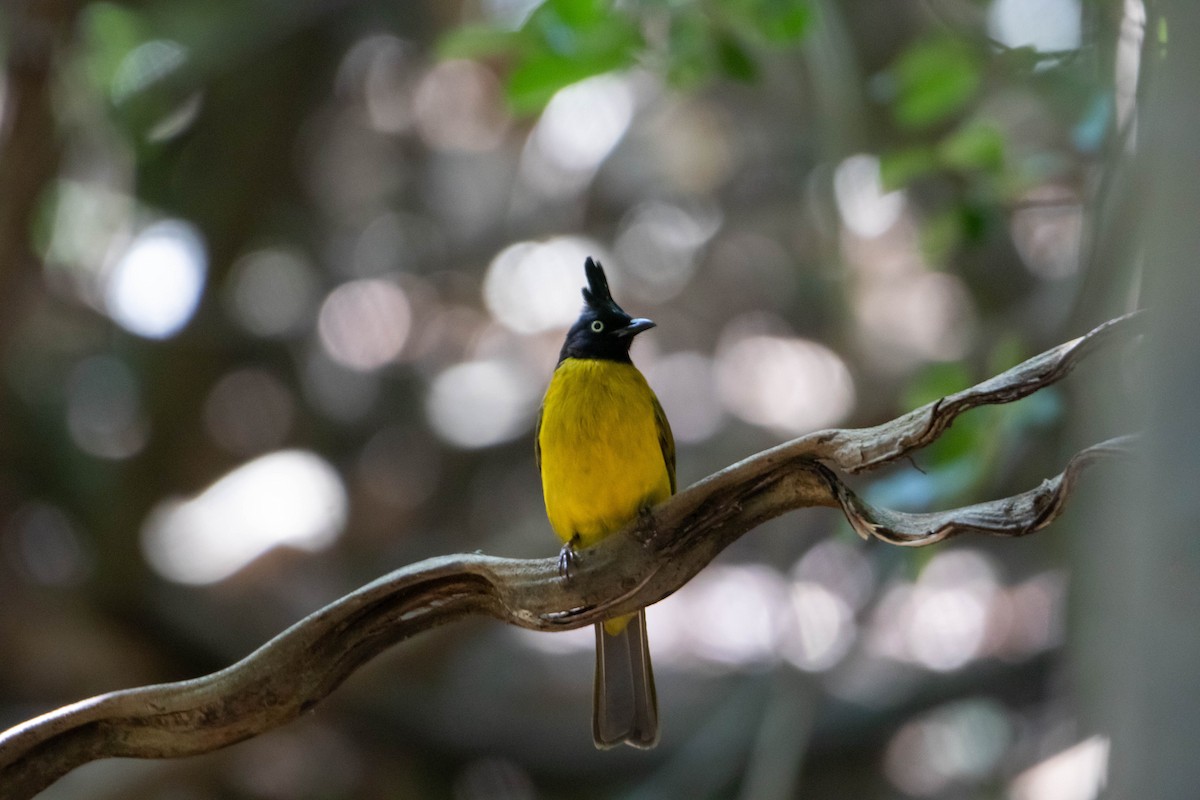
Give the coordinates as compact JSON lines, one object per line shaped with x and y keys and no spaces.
{"x":603,"y":329}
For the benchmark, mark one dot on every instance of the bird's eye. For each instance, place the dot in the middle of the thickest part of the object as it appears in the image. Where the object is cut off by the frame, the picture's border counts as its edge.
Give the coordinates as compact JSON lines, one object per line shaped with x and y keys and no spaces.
{"x":597,"y":326}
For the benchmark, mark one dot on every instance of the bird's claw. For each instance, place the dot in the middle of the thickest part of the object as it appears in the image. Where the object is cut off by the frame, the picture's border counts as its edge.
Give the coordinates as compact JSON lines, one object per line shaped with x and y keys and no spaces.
{"x":566,"y":558}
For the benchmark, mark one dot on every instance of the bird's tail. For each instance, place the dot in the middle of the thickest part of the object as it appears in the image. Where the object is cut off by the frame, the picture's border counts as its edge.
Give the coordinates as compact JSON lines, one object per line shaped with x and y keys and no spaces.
{"x":626,"y":709}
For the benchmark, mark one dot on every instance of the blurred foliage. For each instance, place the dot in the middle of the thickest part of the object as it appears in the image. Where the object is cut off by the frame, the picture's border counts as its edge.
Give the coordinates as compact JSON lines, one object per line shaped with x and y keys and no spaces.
{"x":564,"y":41}
{"x":835,"y":210}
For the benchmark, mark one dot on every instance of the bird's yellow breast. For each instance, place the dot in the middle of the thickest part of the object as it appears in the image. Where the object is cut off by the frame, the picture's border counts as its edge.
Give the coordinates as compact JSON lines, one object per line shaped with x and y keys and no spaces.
{"x":601,"y":456}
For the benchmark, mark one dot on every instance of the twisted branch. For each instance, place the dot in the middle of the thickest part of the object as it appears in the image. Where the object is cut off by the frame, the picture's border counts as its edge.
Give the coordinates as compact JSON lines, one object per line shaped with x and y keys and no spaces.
{"x":653,"y":557}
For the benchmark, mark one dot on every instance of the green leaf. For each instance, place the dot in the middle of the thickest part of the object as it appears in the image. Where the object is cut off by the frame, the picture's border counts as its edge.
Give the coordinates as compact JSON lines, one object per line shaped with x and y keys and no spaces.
{"x":901,"y":167}
{"x":977,"y":147}
{"x":935,"y":80}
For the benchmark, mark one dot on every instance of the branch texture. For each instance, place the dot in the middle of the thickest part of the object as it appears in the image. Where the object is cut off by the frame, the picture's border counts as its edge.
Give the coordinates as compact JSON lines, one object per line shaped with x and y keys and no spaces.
{"x":656,"y":555}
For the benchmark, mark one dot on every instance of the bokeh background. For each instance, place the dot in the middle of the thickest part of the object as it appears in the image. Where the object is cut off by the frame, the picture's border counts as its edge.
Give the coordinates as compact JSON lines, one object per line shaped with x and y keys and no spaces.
{"x":281,"y":284}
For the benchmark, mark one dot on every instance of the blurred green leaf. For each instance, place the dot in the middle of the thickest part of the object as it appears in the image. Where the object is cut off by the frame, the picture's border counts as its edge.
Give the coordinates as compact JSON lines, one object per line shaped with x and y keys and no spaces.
{"x":689,"y":49}
{"x":534,"y":82}
{"x":978,"y":146}
{"x":899,"y":168}
{"x":566,"y":41}
{"x":935,"y":381}
{"x":110,"y":33}
{"x":776,"y":22}
{"x":941,"y":234}
{"x":1006,"y":354}
{"x":579,"y":14}
{"x":478,"y":41}
{"x":735,"y":62}
{"x":582,"y":29}
{"x":934,"y":81}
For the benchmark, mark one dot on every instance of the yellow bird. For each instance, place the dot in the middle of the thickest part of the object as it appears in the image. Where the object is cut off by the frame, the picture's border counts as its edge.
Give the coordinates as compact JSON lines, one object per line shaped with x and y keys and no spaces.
{"x":605,"y":452}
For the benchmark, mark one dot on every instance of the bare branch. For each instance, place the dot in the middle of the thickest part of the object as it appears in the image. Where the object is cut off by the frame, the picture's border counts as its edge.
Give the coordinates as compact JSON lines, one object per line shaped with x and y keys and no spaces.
{"x":656,"y":555}
{"x":1011,"y":516}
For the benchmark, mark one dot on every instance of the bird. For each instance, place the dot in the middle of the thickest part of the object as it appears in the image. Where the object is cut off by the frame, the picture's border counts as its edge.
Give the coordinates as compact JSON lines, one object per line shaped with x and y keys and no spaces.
{"x":605,"y":452}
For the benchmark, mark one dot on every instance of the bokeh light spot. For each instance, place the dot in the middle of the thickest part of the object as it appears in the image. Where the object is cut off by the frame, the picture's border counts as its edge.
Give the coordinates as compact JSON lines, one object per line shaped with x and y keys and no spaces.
{"x":534,"y":286}
{"x":583,"y":122}
{"x":364,"y":324}
{"x":659,"y":244}
{"x":1078,"y":773}
{"x":824,"y":628}
{"x":479,"y":403}
{"x":288,"y":498}
{"x":866,"y":208}
{"x":145,"y":65}
{"x":1045,"y":25}
{"x":249,"y":411}
{"x":580,"y":126}
{"x":785,"y":383}
{"x":459,"y":106}
{"x":43,"y":544}
{"x":958,"y":743}
{"x":684,"y":383}
{"x":273,"y":292}
{"x":155,"y":286}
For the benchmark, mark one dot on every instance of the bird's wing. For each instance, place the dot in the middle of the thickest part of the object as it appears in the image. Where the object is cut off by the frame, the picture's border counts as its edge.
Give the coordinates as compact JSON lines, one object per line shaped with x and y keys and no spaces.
{"x":666,"y":441}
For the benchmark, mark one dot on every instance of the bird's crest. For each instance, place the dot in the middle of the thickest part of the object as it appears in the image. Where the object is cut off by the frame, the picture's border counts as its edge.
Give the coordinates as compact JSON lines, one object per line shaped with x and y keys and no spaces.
{"x":596,"y":294}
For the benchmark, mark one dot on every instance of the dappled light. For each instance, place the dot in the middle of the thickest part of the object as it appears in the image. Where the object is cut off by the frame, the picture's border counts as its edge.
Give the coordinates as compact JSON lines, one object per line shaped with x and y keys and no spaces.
{"x":288,"y":498}
{"x":479,"y":403}
{"x":272,"y":292}
{"x":951,"y":746}
{"x":1077,"y":773}
{"x":958,"y":611}
{"x":1052,"y":25}
{"x":686,"y":387}
{"x":866,"y":209}
{"x":363,"y":324}
{"x":1047,"y":233}
{"x":43,"y":544}
{"x":661,"y":243}
{"x":786,"y":383}
{"x":144,"y":65}
{"x":746,"y":617}
{"x":458,"y":106}
{"x":578,"y":129}
{"x":155,"y":285}
{"x":824,"y":628}
{"x":532,"y":286}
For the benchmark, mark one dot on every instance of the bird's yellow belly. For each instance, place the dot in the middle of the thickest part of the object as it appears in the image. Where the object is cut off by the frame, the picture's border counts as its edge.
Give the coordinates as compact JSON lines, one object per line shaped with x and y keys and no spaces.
{"x":602,"y":460}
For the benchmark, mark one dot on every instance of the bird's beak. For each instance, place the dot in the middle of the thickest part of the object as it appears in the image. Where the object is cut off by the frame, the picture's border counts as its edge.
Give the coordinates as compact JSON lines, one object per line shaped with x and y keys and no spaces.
{"x":635,"y":327}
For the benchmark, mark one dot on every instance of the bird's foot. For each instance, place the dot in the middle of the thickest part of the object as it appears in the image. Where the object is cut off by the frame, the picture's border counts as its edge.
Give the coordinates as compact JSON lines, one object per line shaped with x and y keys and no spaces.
{"x":567,"y":557}
{"x":645,"y":523}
